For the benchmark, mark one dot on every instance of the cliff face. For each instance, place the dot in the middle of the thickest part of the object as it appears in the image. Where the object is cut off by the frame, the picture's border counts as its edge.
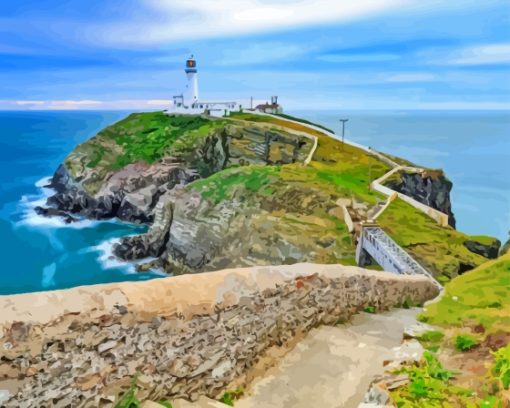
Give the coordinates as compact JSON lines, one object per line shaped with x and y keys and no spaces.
{"x":235,"y":192}
{"x":129,"y":190}
{"x":431,"y":188}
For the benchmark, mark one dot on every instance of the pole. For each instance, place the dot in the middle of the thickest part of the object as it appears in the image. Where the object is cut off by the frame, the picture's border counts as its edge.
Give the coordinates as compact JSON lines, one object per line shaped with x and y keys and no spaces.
{"x":343,"y":131}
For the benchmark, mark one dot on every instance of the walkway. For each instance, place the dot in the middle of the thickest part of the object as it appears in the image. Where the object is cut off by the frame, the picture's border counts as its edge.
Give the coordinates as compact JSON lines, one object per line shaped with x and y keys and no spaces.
{"x":387,"y":253}
{"x":331,"y":367}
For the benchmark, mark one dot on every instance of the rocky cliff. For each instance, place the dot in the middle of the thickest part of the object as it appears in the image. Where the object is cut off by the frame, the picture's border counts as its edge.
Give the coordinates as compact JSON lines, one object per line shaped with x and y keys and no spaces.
{"x":430,"y":187}
{"x":233,"y":192}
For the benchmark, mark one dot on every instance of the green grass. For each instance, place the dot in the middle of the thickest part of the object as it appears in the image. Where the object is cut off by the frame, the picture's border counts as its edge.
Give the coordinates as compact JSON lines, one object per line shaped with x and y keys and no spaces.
{"x":148,"y":136}
{"x":481,"y":296}
{"x":439,"y":249}
{"x":431,"y":336}
{"x":222,"y":185}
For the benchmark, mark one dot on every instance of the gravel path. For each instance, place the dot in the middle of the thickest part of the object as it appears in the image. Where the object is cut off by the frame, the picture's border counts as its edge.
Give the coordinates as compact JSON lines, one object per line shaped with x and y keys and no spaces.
{"x":332,"y":366}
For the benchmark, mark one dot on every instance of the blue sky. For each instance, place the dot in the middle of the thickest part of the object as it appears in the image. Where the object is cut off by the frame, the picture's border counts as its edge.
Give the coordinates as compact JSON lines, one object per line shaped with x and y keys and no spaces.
{"x":320,"y":54}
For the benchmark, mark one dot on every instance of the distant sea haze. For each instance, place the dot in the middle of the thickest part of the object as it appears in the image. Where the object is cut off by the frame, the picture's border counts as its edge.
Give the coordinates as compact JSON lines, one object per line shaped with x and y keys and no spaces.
{"x":40,"y":254}
{"x":472,"y":147}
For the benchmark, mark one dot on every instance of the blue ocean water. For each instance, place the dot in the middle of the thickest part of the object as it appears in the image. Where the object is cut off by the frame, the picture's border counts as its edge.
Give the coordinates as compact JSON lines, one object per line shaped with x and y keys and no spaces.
{"x":473,"y":147}
{"x":38,"y":253}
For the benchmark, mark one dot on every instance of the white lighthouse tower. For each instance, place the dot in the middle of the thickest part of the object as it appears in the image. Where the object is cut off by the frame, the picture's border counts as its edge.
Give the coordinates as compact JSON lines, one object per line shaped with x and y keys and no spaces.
{"x":192,"y":86}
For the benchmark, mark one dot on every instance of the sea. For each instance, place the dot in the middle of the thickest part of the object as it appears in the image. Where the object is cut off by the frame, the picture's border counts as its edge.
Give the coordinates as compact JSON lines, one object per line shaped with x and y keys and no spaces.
{"x":38,"y":253}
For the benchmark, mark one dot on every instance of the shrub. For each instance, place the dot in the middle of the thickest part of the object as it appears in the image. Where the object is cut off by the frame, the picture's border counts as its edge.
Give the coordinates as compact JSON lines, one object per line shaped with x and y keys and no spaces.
{"x":369,"y":309}
{"x":501,"y":367}
{"x":230,"y":396}
{"x":465,"y":342}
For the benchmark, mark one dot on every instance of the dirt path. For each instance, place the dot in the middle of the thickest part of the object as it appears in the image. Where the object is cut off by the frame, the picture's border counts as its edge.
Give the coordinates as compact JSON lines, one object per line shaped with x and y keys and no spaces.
{"x":332,"y":366}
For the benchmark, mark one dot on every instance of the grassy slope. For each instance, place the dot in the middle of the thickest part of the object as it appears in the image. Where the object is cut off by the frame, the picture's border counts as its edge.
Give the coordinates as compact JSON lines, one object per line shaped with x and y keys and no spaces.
{"x":345,"y":168}
{"x":481,"y":296}
{"x":438,"y":248}
{"x":476,"y":307}
{"x":139,"y":137}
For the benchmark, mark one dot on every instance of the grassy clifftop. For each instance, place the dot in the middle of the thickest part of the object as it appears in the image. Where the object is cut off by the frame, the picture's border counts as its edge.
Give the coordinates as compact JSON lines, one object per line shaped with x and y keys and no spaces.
{"x":301,"y":199}
{"x":467,"y":362}
{"x":439,"y":249}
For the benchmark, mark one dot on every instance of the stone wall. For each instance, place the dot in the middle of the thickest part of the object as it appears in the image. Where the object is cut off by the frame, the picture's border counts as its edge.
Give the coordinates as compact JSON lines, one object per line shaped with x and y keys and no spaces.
{"x":187,"y":336}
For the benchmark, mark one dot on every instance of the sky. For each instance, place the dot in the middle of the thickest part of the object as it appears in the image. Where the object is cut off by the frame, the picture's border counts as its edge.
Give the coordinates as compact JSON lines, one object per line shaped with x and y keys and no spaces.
{"x":319,"y":54}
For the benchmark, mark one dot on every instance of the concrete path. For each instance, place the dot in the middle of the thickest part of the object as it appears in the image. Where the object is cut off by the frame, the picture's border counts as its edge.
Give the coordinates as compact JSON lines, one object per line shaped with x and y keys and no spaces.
{"x":332,"y":366}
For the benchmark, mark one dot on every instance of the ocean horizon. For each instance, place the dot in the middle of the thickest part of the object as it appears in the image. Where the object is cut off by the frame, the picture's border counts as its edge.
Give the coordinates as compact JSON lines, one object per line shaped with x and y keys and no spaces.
{"x":473,"y":147}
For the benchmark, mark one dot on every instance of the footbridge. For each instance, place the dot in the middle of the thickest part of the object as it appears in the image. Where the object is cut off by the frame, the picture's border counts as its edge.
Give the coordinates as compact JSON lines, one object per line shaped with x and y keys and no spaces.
{"x":374,"y":243}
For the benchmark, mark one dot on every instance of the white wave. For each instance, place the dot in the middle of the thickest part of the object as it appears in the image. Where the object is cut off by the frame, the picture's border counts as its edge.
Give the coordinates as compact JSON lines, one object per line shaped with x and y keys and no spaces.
{"x":29,"y":217}
{"x":108,"y":260}
{"x":42,"y":183}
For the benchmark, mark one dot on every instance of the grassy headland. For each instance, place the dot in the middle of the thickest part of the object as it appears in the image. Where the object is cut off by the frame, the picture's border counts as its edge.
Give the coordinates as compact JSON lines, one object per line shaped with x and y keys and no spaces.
{"x":468,"y":362}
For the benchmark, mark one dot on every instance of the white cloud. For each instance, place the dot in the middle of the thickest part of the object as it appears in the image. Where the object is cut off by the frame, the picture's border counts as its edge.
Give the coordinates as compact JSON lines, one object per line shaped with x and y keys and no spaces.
{"x":29,"y":103}
{"x":259,"y":53}
{"x":482,"y":55}
{"x":411,"y":77}
{"x":339,"y":58}
{"x":86,"y":104}
{"x":159,"y":102}
{"x":71,"y":104}
{"x":170,"y":20}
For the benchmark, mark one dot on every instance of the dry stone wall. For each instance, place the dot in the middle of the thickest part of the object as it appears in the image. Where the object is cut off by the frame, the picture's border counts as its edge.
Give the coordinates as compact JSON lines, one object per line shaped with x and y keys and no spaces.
{"x":186,"y":336}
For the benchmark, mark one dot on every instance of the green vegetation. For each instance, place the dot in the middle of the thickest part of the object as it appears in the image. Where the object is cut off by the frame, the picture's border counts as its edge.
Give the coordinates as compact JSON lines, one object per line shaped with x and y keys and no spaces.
{"x":439,"y":249}
{"x":147,"y":136}
{"x":501,"y":367}
{"x":477,"y":302}
{"x":431,"y":336}
{"x":222,"y":185}
{"x":129,"y":399}
{"x":429,"y":386}
{"x":140,"y":137}
{"x":342,"y":168}
{"x":369,"y":309}
{"x":229,"y":397}
{"x":465,"y":342}
{"x":480,"y":297}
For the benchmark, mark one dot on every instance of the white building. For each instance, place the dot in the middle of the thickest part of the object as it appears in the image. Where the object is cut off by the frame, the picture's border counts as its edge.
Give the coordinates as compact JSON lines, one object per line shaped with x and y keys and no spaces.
{"x":189,"y":102}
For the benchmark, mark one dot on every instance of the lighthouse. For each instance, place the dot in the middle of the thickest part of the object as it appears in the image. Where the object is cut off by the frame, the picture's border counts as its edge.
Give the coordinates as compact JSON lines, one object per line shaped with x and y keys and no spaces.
{"x":192,"y":86}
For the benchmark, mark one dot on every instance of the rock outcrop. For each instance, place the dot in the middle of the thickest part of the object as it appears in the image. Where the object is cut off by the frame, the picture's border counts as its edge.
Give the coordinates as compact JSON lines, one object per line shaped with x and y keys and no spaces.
{"x":489,"y":250}
{"x":429,"y":187}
